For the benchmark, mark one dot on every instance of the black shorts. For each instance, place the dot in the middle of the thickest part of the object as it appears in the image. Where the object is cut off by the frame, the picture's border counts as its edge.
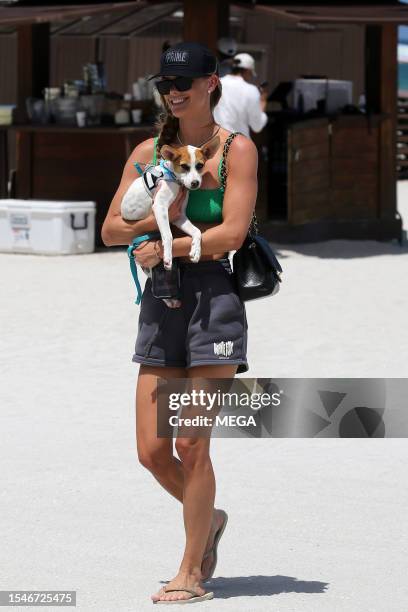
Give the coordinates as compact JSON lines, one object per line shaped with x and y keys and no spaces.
{"x":210,"y":327}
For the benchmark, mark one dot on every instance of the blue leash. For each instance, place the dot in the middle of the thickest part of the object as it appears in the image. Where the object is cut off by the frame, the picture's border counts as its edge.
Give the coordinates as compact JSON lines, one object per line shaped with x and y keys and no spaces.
{"x":133,"y":268}
{"x":135,"y":243}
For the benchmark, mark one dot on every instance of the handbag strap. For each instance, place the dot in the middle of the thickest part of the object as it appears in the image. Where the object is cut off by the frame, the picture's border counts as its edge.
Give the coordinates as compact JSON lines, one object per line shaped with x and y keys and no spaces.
{"x":253,"y":226}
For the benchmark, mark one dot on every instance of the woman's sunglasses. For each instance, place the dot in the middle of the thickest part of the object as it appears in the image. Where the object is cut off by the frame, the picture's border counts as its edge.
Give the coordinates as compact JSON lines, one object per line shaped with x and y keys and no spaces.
{"x":181,"y":83}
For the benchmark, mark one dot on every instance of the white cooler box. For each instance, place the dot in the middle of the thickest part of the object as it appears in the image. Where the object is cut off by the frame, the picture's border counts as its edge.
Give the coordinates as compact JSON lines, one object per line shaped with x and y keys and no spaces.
{"x":47,"y":227}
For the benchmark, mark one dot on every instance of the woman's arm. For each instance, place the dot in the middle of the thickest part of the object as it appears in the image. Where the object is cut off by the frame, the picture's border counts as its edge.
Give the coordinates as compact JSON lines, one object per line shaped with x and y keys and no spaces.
{"x":238,"y":205}
{"x":115,"y":230}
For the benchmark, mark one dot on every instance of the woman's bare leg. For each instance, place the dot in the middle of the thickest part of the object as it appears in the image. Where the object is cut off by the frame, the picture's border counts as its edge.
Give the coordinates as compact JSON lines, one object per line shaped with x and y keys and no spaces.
{"x":198,"y":498}
{"x":156,"y":454}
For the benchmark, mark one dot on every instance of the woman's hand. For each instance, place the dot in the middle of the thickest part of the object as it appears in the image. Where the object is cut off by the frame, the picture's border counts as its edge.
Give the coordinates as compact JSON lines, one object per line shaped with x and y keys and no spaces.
{"x":175,"y":207}
{"x":146,"y":255}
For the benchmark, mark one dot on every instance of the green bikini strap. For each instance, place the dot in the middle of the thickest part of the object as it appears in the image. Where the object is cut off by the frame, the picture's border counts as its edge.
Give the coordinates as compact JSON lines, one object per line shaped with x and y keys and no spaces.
{"x":154,"y":161}
{"x":219,"y":170}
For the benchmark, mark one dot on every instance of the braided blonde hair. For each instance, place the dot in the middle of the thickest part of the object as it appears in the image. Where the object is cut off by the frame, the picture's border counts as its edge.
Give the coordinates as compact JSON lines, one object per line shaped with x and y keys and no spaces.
{"x":167,"y":124}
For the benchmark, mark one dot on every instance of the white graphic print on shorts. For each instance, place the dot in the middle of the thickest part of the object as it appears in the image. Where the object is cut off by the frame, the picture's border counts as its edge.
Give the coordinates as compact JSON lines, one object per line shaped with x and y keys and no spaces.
{"x":223,"y":348}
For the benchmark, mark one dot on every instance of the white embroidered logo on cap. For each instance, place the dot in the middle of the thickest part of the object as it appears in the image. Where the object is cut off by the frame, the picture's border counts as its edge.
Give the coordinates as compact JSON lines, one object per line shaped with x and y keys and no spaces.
{"x":176,"y":57}
{"x":224,"y":348}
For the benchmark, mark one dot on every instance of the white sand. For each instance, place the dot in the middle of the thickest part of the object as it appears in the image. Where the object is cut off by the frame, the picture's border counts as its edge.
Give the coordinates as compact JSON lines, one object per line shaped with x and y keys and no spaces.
{"x":78,"y":512}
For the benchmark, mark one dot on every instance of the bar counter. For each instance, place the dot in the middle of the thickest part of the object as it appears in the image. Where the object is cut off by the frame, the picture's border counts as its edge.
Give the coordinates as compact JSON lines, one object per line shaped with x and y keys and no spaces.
{"x":71,"y":163}
{"x":318,"y":178}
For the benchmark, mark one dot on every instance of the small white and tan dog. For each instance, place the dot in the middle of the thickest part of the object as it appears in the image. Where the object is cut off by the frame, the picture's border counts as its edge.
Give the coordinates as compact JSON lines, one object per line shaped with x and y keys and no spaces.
{"x":158,"y":187}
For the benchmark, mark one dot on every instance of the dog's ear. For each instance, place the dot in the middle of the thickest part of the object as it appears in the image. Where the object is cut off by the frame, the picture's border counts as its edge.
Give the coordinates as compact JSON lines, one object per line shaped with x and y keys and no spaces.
{"x":211,"y":148}
{"x":170,"y":153}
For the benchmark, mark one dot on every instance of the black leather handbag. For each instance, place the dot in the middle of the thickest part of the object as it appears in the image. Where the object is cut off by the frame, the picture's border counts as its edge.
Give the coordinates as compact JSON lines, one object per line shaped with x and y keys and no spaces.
{"x":256,"y":269}
{"x":255,"y":266}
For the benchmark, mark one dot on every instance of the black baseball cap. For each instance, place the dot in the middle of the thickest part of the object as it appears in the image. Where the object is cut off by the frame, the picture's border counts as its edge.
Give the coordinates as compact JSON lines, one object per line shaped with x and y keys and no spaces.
{"x":190,"y":59}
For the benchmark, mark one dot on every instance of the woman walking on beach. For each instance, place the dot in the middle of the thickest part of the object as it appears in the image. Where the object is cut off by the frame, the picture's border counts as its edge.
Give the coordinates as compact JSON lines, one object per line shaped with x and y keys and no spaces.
{"x":207,"y":336}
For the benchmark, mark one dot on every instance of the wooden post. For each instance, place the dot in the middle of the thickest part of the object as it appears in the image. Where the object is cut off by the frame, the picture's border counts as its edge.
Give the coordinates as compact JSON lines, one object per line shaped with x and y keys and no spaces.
{"x":381,"y":93}
{"x":205,"y":21}
{"x":33,"y":52}
{"x":3,"y":162}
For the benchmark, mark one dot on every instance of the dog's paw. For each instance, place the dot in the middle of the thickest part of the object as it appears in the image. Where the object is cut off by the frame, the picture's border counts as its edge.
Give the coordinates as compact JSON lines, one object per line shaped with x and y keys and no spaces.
{"x":167,"y":263}
{"x":172,"y":302}
{"x":195,"y":251}
{"x":167,"y":254}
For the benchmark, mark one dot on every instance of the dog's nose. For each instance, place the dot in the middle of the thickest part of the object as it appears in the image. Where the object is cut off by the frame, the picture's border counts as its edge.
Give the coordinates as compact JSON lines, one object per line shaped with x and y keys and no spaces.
{"x":194,"y":184}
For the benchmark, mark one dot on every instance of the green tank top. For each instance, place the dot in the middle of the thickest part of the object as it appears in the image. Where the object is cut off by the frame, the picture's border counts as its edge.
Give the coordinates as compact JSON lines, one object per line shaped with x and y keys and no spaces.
{"x":204,"y":205}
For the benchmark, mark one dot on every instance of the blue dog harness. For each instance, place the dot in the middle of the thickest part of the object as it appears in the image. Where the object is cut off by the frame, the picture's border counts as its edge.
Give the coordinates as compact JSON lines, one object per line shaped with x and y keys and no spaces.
{"x":152,"y":174}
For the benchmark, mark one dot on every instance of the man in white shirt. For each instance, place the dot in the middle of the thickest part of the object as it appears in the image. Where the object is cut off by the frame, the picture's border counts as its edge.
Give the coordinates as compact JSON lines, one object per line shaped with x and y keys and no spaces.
{"x":241,"y":107}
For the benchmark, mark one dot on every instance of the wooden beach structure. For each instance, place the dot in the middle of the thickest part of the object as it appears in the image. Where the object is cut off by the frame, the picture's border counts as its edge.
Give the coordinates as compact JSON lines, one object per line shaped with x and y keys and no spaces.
{"x":320,"y":177}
